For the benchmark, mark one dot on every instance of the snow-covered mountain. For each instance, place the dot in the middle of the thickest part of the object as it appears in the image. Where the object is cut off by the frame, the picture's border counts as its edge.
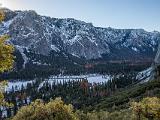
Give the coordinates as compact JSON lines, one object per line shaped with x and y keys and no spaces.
{"x":31,"y":33}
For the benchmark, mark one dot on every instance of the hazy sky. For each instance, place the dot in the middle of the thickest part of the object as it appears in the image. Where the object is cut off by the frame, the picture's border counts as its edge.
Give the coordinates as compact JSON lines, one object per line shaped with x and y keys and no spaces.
{"x":104,"y":13}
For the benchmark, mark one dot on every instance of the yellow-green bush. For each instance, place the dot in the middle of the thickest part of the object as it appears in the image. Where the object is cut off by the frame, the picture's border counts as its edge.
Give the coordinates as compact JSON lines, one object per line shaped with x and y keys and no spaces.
{"x":6,"y":59}
{"x":148,"y":108}
{"x":54,"y":110}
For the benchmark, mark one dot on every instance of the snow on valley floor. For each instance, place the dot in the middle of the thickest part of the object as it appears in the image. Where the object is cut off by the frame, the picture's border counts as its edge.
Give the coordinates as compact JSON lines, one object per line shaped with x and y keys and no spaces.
{"x":92,"y":78}
{"x":17,"y":84}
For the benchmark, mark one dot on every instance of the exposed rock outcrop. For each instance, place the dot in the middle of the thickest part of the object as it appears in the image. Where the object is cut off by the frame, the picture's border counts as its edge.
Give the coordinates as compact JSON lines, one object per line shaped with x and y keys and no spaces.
{"x":30,"y":32}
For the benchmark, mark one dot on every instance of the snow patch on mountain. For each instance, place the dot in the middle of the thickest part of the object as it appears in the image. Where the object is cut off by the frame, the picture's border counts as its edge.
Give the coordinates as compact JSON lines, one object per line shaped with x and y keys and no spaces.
{"x":144,"y":75}
{"x":135,"y":49}
{"x":21,"y":50}
{"x":53,"y":47}
{"x":41,"y":35}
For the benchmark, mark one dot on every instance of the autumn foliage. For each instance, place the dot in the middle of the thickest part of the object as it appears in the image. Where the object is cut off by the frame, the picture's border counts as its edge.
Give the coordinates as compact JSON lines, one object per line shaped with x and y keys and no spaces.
{"x":6,"y":59}
{"x":54,"y":110}
{"x":147,"y":108}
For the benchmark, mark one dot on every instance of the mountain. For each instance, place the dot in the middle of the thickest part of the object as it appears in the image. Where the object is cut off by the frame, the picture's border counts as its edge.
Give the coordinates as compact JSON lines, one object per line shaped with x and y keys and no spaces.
{"x":41,"y":40}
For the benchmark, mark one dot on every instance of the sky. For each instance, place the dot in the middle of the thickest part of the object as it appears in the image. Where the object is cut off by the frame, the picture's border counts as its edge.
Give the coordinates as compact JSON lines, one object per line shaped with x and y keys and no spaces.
{"x":122,"y":14}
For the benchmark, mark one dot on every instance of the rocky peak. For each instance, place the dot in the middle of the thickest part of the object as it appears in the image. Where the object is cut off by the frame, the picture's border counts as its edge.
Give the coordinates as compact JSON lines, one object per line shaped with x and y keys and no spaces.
{"x":41,"y":35}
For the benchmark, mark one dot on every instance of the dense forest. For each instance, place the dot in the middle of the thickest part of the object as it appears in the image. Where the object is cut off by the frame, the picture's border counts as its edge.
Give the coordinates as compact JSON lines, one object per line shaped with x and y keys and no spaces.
{"x":112,"y":100}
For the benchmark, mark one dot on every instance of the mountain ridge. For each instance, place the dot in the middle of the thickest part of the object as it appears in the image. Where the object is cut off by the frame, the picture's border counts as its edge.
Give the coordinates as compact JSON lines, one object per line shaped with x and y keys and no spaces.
{"x":30,"y":32}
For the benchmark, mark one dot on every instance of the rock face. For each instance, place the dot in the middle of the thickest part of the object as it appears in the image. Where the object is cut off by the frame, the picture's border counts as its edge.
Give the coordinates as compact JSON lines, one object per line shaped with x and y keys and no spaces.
{"x":153,"y":72}
{"x":30,"y":32}
{"x":157,"y":58}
